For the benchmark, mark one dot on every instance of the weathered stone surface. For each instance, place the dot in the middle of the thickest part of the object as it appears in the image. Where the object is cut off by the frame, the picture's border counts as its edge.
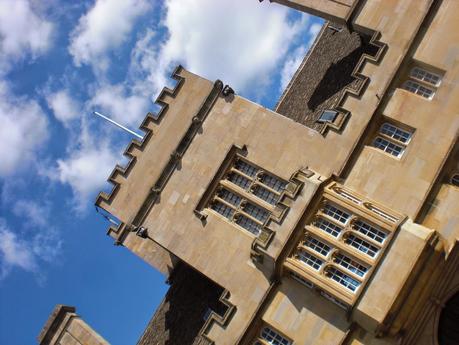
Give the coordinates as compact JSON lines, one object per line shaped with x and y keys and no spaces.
{"x":324,"y":74}
{"x":181,"y":314}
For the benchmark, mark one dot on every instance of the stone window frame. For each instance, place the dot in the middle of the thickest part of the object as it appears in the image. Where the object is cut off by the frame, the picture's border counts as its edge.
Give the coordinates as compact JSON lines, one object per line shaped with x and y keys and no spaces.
{"x":422,"y":80}
{"x":268,"y":335}
{"x":361,"y":209}
{"x":277,"y":211}
{"x":389,"y":138}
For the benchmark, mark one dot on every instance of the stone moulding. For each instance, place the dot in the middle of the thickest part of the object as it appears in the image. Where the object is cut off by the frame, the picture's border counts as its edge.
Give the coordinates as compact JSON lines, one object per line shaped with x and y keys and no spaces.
{"x":214,"y":318}
{"x":261,"y":243}
{"x":122,"y":229}
{"x":363,"y":80}
{"x":137,"y":144}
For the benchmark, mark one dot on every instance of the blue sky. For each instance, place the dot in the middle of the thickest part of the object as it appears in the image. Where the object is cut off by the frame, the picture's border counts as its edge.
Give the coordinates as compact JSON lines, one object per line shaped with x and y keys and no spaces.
{"x":61,"y":60}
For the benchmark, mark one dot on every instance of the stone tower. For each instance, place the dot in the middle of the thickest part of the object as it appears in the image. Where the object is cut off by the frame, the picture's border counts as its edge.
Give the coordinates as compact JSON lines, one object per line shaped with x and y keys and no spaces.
{"x":333,"y":219}
{"x":65,"y":327}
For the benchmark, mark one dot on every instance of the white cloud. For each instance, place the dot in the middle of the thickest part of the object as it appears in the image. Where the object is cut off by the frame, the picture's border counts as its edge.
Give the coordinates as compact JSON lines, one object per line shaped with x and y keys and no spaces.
{"x":36,"y":215}
{"x":22,"y":32}
{"x":14,"y":252}
{"x":120,"y":104}
{"x":295,"y":58}
{"x":64,"y":107}
{"x":40,"y":242}
{"x":86,"y":171}
{"x":104,"y":28}
{"x":24,"y":128}
{"x":240,"y":42}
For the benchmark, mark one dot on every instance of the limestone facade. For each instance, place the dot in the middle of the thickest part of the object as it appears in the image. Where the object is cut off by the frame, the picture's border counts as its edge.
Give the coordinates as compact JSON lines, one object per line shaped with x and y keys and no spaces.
{"x":332,"y":220}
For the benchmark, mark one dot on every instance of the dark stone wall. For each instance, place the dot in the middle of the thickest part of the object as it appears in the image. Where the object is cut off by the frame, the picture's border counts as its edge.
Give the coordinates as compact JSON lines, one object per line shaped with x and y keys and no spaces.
{"x":323,"y":75}
{"x":180,"y":316}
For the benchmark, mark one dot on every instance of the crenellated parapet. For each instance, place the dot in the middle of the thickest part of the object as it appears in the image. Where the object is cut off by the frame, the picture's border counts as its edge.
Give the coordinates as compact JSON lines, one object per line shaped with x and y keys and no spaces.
{"x":150,"y":166}
{"x":136,"y":146}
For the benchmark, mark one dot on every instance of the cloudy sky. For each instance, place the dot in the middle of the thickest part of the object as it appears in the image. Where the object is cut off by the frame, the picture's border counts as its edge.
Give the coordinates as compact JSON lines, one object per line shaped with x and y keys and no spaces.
{"x":61,"y":60}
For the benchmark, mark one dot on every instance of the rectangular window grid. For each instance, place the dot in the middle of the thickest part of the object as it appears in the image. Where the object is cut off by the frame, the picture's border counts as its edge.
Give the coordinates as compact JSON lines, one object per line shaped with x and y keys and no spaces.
{"x":266,"y":195}
{"x":418,"y":89}
{"x":223,"y":209}
{"x":317,"y":246}
{"x":336,"y":213}
{"x":395,"y":133}
{"x":273,"y":338}
{"x":328,"y":227}
{"x":239,"y":180}
{"x":248,"y":224}
{"x":236,"y":198}
{"x":362,"y":246}
{"x":387,"y":146}
{"x":255,"y":211}
{"x":310,"y":260}
{"x":273,"y":182}
{"x":425,"y":76}
{"x":350,"y":265}
{"x":343,"y":279}
{"x":369,"y":231}
{"x":229,"y":197}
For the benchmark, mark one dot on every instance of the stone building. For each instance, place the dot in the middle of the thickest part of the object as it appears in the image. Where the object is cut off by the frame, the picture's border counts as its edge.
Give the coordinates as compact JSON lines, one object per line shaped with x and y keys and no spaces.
{"x":332,"y":219}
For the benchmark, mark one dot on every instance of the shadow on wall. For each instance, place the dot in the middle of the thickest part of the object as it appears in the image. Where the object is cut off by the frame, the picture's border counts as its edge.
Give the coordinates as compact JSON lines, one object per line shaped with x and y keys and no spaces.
{"x":184,"y":310}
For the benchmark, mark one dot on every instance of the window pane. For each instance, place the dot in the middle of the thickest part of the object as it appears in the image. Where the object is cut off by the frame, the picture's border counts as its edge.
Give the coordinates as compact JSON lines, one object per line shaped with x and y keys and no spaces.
{"x":425,"y":76}
{"x":273,"y":182}
{"x":230,"y":197}
{"x":223,"y":209}
{"x":309,"y":259}
{"x":362,"y":245}
{"x":343,"y":279}
{"x":248,"y":224}
{"x":370,"y":231}
{"x":245,"y":168}
{"x":418,"y":89}
{"x":273,"y":338}
{"x":327,"y":226}
{"x":239,"y":180}
{"x":395,"y":133}
{"x":387,"y":146}
{"x":317,"y":246}
{"x":351,"y":265}
{"x":265,"y":195}
{"x":334,"y":212}
{"x":256,"y":212}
